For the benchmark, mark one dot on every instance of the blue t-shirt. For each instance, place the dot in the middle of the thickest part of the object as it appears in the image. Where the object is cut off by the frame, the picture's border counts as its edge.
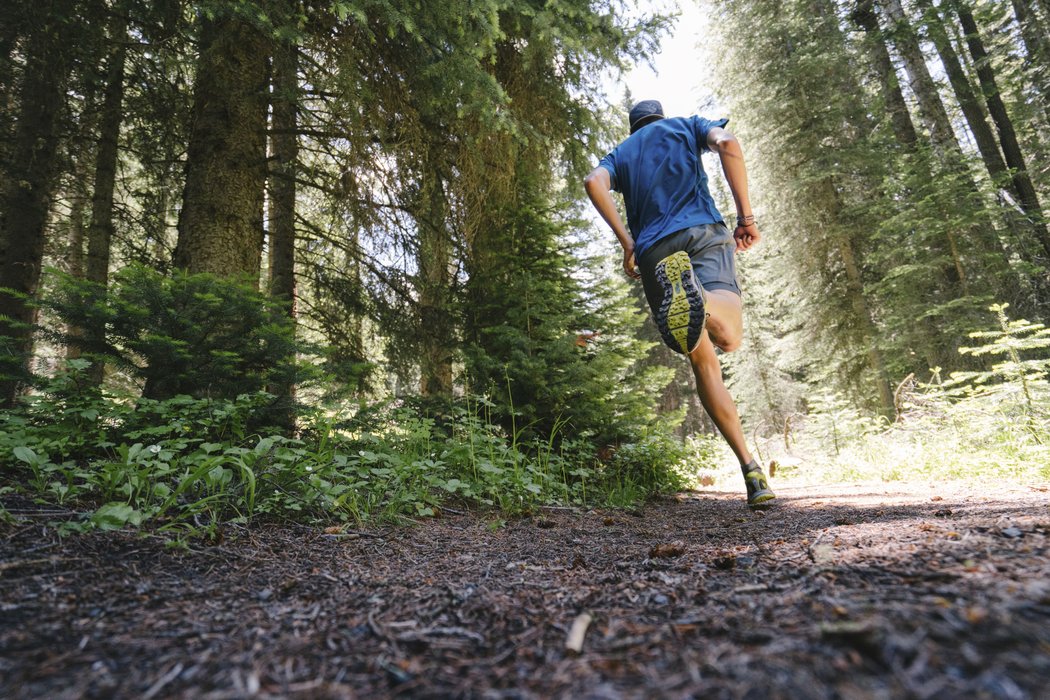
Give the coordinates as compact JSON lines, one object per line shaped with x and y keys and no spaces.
{"x":659,"y":172}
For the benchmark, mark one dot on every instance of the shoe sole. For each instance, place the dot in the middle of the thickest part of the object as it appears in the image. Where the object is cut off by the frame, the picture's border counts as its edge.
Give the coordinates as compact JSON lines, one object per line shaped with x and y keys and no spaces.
{"x":681,"y":317}
{"x":761,"y":500}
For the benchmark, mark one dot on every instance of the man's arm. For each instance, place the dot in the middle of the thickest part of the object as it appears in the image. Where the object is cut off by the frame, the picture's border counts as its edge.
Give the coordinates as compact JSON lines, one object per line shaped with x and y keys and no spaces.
{"x":729,"y":152}
{"x":598,"y":183}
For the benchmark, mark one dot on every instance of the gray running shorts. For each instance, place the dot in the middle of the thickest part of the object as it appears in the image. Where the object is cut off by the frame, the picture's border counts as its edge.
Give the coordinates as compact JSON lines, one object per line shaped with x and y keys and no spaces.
{"x":711,"y":248}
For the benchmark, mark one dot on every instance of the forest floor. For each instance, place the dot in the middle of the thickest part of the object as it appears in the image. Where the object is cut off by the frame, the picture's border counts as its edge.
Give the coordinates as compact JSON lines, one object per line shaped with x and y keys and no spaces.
{"x":843,"y":591}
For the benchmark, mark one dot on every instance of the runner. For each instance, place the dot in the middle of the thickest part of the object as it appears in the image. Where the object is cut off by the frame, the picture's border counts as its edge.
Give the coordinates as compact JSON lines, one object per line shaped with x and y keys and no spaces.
{"x":682,"y":250}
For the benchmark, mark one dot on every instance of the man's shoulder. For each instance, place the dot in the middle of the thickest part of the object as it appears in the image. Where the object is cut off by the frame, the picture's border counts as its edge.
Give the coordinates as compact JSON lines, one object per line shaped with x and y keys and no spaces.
{"x":678,"y":122}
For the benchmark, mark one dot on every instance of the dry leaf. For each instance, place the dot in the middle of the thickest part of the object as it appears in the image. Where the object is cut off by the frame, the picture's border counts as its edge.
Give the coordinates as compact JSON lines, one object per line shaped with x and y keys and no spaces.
{"x":667,"y":550}
{"x":823,"y":554}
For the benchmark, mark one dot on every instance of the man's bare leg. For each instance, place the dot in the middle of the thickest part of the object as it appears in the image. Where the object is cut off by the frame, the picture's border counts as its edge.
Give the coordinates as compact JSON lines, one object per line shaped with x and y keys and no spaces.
{"x":725,"y":329}
{"x":715,"y":397}
{"x":725,"y":321}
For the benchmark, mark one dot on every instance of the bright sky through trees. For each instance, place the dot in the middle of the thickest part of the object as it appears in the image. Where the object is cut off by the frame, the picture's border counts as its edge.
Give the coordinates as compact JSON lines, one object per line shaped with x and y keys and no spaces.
{"x":681,"y":79}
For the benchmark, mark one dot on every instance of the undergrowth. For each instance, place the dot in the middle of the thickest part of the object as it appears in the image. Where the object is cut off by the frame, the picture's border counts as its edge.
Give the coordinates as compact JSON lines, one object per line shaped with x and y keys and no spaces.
{"x":980,"y":426}
{"x":183,"y":466}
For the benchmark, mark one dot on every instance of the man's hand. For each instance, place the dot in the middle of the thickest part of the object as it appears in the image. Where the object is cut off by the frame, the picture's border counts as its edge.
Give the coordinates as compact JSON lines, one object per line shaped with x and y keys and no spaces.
{"x":629,"y":264}
{"x":732,"y":157}
{"x":746,"y":236}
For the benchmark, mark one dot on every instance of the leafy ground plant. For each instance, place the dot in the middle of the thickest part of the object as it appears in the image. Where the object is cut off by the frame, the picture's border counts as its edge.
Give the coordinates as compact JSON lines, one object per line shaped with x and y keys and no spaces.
{"x":975,"y":425}
{"x":185,"y":465}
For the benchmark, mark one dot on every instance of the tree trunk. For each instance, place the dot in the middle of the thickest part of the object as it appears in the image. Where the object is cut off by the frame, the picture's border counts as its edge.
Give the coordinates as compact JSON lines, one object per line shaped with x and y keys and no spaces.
{"x":1029,"y":201}
{"x":892,"y":97}
{"x":83,"y":155}
{"x":434,"y":284}
{"x":976,"y":119}
{"x":75,"y":261}
{"x":100,"y":231}
{"x":934,"y":116}
{"x":1037,"y":51}
{"x":981,"y":237}
{"x":968,"y":101}
{"x":220,"y":225}
{"x":862,"y":313}
{"x":30,"y":176}
{"x":12,"y":14}
{"x":858,"y":301}
{"x":285,"y":143}
{"x":931,"y":108}
{"x":904,"y":130}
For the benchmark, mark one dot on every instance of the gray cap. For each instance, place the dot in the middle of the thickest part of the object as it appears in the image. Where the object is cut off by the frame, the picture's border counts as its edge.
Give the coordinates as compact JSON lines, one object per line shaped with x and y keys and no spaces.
{"x":645,"y":112}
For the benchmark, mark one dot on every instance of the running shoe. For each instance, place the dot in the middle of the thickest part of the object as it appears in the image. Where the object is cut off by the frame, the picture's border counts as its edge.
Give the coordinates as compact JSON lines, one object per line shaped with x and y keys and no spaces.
{"x":682,"y":315}
{"x":758,"y":492}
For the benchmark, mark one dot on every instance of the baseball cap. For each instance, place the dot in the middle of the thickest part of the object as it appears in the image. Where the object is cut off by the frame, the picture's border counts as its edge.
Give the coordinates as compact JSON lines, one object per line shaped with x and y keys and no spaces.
{"x":645,"y":112}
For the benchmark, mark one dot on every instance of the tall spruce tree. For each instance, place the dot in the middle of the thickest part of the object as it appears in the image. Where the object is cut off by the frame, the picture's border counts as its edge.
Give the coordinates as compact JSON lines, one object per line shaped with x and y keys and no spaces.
{"x":30,"y":171}
{"x":221,"y":221}
{"x":1008,"y":140}
{"x":797,"y":104}
{"x":524,"y":304}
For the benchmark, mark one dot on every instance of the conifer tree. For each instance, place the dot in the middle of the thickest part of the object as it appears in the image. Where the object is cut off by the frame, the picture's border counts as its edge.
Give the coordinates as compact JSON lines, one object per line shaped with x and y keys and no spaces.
{"x":100,"y":230}
{"x":524,"y":304}
{"x":1015,"y":159}
{"x":1037,"y":47}
{"x":30,"y":171}
{"x":806,"y":138}
{"x":221,"y":221}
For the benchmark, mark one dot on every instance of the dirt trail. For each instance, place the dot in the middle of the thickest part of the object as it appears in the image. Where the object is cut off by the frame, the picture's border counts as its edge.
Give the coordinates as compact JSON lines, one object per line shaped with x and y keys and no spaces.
{"x":839,"y":592}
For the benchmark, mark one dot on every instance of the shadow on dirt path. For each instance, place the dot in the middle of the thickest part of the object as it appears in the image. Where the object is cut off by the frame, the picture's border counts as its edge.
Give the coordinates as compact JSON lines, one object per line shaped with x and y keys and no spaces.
{"x":876,"y":590}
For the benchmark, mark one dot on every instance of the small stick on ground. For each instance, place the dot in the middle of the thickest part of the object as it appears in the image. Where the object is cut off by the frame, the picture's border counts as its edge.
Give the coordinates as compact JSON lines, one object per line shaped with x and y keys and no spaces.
{"x":574,"y":643}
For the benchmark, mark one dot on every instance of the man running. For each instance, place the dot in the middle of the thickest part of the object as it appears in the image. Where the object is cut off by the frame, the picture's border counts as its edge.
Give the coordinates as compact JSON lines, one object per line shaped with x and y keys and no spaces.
{"x":682,"y":250}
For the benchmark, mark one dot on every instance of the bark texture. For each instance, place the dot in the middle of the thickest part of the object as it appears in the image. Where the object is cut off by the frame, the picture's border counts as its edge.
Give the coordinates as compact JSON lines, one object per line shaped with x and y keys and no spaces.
{"x":971,"y":106}
{"x":100,"y":232}
{"x":285,"y":144}
{"x":221,"y":222}
{"x":29,"y":179}
{"x":434,"y":258}
{"x":931,"y":108}
{"x":865,"y":17}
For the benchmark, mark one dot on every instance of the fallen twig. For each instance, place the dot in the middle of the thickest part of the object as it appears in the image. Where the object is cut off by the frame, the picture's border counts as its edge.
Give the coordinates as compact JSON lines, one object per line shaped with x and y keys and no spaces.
{"x":574,"y":642}
{"x":168,"y":677}
{"x":809,"y":549}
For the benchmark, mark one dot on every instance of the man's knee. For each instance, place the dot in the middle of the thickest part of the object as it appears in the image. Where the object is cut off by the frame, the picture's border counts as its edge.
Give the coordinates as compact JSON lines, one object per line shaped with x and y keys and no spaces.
{"x":726,"y":336}
{"x":729,"y":343}
{"x":725,"y":323}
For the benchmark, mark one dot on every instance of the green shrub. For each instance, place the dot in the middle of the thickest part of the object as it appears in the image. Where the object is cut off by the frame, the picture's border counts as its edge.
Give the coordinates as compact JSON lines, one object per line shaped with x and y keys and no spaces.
{"x":198,"y":335}
{"x":188,"y":464}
